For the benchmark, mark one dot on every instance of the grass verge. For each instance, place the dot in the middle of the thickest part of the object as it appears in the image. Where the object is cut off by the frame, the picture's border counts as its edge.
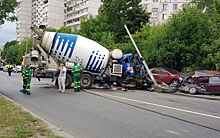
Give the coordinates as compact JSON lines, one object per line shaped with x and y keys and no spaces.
{"x":15,"y":123}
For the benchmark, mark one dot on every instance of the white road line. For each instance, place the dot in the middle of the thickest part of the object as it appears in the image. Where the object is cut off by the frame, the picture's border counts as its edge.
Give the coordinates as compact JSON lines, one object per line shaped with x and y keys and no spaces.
{"x":163,"y":106}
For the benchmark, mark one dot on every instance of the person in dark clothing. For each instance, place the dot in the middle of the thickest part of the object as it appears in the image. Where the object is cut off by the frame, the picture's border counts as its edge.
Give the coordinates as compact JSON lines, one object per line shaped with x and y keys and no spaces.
{"x":9,"y":69}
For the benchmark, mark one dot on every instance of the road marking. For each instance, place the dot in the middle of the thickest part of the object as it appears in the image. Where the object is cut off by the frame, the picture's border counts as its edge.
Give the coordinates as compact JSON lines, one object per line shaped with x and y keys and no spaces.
{"x":158,"y":105}
{"x":172,"y":132}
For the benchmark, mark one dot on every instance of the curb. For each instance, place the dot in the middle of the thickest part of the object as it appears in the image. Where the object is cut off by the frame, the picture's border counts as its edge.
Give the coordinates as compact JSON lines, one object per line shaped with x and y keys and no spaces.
{"x":196,"y":96}
{"x":56,"y":130}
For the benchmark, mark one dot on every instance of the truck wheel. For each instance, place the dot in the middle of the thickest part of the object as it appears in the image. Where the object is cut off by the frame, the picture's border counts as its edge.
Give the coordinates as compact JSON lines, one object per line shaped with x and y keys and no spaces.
{"x":192,"y":90}
{"x":68,"y":81}
{"x":86,"y":81}
{"x":56,"y":82}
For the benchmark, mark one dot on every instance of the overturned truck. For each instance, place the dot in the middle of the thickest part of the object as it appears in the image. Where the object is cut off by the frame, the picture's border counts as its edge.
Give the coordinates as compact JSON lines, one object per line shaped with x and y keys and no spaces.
{"x":99,"y":65}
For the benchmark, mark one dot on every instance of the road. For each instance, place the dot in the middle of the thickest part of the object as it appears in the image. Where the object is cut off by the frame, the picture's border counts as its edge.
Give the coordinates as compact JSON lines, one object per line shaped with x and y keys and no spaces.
{"x":102,"y":113}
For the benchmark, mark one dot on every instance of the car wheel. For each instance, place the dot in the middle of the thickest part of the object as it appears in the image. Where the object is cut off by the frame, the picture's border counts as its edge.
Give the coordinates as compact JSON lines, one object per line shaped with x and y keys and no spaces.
{"x":192,"y":90}
{"x":174,"y":83}
{"x":86,"y":81}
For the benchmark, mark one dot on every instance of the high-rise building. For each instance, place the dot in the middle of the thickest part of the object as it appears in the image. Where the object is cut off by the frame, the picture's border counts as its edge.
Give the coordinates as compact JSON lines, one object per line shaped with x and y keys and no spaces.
{"x":57,"y":13}
{"x":76,"y":9}
{"x":48,"y":12}
{"x":23,"y":12}
{"x":161,"y":10}
{"x":39,"y":12}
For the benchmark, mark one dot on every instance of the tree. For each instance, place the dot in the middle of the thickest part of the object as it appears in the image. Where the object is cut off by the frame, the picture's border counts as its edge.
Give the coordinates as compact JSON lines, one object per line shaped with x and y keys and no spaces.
{"x":95,"y":28}
{"x":12,"y":55}
{"x":118,"y":13}
{"x":7,"y":10}
{"x":22,"y":47}
{"x":187,"y":40}
{"x":7,"y":46}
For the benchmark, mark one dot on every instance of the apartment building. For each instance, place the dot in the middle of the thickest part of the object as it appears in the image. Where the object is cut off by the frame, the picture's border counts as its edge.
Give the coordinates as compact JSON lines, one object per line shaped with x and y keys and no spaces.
{"x":161,"y":10}
{"x":76,"y":9}
{"x":48,"y":12}
{"x":39,"y":12}
{"x":23,"y":12}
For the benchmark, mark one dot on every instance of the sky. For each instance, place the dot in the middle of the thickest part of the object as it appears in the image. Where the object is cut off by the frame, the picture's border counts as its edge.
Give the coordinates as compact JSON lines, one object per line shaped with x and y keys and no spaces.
{"x":7,"y":32}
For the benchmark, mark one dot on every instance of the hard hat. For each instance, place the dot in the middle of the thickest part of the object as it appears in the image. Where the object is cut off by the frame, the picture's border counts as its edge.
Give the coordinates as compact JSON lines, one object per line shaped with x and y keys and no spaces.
{"x":27,"y":65}
{"x":75,"y":62}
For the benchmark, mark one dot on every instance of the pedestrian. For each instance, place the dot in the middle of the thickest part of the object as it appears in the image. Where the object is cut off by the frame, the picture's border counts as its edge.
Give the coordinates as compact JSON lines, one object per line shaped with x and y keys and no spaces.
{"x":26,"y":74}
{"x":62,"y":78}
{"x":9,"y":69}
{"x":76,"y":71}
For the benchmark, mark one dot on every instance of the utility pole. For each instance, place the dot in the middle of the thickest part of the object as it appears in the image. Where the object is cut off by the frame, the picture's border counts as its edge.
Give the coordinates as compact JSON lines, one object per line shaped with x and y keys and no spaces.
{"x":26,"y":45}
{"x":145,"y":64}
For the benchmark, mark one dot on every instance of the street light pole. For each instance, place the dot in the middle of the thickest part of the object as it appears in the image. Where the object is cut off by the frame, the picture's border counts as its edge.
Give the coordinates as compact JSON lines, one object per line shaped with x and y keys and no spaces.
{"x":145,"y":64}
{"x":26,"y":45}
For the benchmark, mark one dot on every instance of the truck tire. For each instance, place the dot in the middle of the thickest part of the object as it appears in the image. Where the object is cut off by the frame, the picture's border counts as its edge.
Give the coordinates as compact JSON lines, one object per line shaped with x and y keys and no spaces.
{"x":68,"y":81}
{"x":86,"y":81}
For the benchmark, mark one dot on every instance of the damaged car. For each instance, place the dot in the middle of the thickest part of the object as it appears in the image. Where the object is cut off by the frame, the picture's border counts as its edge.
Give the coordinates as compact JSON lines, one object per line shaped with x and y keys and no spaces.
{"x":201,"y":82}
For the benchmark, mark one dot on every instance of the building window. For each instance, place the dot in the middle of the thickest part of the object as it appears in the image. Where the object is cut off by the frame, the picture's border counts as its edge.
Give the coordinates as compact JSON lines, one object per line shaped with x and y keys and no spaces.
{"x":175,"y":7}
{"x":185,"y":5}
{"x":155,"y":0}
{"x":165,"y":6}
{"x":165,"y":16}
{"x":145,"y":6}
{"x":155,"y":10}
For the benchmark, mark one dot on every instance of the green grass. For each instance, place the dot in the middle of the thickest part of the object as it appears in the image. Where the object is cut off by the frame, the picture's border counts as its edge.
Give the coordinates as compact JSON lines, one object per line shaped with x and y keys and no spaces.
{"x":15,"y":123}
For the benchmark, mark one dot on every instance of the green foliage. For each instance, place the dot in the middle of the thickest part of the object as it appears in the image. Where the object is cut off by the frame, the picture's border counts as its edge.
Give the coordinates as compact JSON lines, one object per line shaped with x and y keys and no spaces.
{"x":12,"y":55}
{"x":15,"y":123}
{"x":185,"y":41}
{"x":24,"y":132}
{"x":22,"y":47}
{"x":64,"y":29}
{"x":118,"y":13}
{"x":190,"y":40}
{"x":7,"y":10}
{"x":14,"y":51}
{"x":7,"y":46}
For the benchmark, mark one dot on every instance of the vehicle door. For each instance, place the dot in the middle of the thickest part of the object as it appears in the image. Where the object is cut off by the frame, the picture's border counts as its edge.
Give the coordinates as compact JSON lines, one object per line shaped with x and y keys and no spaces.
{"x":214,"y":84}
{"x":165,"y":76}
{"x":202,"y":83}
{"x":156,"y":74}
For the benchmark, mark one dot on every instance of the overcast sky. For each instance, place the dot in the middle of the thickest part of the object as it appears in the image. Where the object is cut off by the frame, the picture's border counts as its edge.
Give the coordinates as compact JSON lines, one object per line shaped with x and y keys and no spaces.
{"x":7,"y":32}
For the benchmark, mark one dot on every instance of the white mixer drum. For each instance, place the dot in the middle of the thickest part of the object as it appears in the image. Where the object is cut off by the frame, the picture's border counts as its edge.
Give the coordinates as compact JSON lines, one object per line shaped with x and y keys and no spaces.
{"x":89,"y":54}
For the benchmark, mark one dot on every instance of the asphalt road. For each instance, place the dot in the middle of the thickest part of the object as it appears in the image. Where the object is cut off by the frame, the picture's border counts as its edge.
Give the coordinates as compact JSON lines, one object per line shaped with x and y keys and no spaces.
{"x":102,"y":113}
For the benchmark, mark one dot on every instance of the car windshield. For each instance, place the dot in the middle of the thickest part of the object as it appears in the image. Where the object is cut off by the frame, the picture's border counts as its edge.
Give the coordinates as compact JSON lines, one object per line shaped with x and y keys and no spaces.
{"x":173,"y":71}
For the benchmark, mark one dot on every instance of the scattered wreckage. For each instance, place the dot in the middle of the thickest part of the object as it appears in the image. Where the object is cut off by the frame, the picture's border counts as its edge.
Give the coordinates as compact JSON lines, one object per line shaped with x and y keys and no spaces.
{"x":200,"y":82}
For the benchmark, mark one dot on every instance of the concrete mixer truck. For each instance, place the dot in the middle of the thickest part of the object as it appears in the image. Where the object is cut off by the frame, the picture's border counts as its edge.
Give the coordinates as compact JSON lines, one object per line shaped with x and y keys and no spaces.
{"x":99,"y":65}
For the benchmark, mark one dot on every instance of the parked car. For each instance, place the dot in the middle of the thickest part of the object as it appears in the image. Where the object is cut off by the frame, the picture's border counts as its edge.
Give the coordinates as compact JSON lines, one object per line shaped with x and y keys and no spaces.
{"x":202,"y":82}
{"x":14,"y":69}
{"x":166,"y":75}
{"x":5,"y":68}
{"x":17,"y":69}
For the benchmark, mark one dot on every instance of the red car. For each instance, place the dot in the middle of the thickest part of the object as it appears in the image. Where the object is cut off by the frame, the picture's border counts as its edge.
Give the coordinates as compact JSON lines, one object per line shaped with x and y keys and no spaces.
{"x":166,"y":75}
